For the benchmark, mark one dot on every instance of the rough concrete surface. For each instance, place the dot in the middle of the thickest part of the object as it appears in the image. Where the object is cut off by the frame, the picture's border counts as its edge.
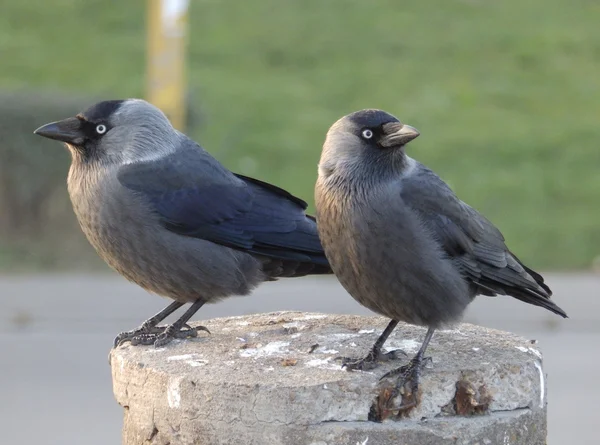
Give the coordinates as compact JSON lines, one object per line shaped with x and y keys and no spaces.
{"x":273,"y":379}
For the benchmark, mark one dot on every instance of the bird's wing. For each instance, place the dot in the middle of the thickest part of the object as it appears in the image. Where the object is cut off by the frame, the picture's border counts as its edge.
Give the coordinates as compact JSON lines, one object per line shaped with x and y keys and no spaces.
{"x":196,"y":196}
{"x":472,"y":241}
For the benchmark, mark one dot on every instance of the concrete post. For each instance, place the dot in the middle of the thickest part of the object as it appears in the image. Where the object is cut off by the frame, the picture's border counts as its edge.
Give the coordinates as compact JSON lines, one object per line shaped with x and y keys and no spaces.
{"x":271,"y":379}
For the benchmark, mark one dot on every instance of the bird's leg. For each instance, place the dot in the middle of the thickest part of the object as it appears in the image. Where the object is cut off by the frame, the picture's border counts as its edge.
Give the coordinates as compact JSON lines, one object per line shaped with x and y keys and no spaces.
{"x":374,"y":355}
{"x":149,"y":326}
{"x":408,"y":377}
{"x":173,"y":330}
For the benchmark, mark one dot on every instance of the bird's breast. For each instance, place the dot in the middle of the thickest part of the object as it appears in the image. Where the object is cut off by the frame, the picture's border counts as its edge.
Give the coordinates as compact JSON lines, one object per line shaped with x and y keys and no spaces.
{"x":386,"y":260}
{"x":129,"y":236}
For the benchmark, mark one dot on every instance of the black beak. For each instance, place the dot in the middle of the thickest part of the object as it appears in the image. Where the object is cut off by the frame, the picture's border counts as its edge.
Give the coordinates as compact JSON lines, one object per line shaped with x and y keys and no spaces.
{"x":67,"y":130}
{"x":396,"y":134}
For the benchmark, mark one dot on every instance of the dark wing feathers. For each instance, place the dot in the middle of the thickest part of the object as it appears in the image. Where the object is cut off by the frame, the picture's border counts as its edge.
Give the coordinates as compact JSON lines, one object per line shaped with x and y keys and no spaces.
{"x":473,"y":242}
{"x":196,"y":198}
{"x":274,"y":189}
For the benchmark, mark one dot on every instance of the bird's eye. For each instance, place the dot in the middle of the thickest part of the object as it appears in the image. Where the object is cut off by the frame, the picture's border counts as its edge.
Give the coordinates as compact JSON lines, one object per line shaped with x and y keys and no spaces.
{"x":101,"y":129}
{"x":367,"y":134}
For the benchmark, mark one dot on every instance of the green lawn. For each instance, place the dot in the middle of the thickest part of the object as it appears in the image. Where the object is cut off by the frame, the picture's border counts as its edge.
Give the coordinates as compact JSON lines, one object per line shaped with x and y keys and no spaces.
{"x":506,"y":94}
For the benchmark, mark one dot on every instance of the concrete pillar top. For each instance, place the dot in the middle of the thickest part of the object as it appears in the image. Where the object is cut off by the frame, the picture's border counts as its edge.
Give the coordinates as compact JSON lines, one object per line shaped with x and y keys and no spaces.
{"x":273,"y":379}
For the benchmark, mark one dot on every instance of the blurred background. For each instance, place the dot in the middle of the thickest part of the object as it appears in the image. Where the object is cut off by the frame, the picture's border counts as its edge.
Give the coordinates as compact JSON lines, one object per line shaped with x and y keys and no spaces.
{"x":506,"y":96}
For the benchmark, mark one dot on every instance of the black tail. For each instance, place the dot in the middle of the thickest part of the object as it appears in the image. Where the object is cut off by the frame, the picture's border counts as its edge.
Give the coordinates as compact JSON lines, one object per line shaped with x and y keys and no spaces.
{"x":534,"y":297}
{"x":537,"y":299}
{"x":518,"y":284}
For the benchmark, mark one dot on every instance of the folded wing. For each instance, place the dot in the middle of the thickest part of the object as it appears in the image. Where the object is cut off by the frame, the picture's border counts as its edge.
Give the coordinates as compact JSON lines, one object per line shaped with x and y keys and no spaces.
{"x":473,"y":242}
{"x":197,"y":197}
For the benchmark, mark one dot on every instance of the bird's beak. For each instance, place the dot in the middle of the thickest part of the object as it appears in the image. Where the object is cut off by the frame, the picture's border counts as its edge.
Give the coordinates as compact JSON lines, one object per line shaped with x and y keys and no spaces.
{"x":67,"y":130}
{"x":396,"y":134}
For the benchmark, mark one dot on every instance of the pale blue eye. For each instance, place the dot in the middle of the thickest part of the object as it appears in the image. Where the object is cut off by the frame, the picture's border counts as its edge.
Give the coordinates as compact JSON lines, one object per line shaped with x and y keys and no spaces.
{"x":101,"y":129}
{"x":367,"y":134}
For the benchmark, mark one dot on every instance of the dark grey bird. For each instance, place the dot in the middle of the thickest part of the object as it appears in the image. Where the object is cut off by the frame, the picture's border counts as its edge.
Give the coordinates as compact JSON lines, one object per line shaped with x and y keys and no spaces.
{"x":402,"y":243}
{"x":165,"y":214}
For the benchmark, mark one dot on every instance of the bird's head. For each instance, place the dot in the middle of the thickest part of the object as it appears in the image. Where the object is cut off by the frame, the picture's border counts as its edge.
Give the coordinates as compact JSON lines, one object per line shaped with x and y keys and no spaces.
{"x":113,"y":130}
{"x":365,"y":138}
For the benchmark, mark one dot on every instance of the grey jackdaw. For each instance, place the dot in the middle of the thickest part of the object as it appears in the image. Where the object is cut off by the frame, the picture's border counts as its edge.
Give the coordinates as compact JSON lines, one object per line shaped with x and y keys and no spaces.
{"x":166,"y":215}
{"x":402,"y":243}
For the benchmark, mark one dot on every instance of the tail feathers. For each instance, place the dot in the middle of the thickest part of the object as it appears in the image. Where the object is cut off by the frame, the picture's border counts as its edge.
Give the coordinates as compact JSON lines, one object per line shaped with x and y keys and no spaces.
{"x":536,"y":276}
{"x":537,"y":299}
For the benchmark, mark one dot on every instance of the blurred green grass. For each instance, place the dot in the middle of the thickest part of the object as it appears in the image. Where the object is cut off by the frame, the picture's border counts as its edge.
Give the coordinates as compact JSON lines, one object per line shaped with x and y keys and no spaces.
{"x":506,"y":94}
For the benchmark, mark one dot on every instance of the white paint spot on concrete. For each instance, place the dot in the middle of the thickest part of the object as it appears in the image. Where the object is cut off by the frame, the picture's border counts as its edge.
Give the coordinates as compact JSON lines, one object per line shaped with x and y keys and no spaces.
{"x":318,"y":362}
{"x":193,"y":360}
{"x":294,"y":324}
{"x":241,"y":339}
{"x":173,"y":395}
{"x":340,"y":336}
{"x":364,"y":442}
{"x":407,"y":346}
{"x":323,"y":364}
{"x":296,"y":335}
{"x":456,"y":331}
{"x":366,"y":331}
{"x":243,"y":323}
{"x":312,"y":317}
{"x":325,"y":386}
{"x":196,"y":363}
{"x":542,"y":383}
{"x":274,"y":347}
{"x":475,"y":349}
{"x":535,"y":352}
{"x":154,"y":350}
{"x":329,"y":351}
{"x":181,"y":357}
{"x":353,"y":344}
{"x":269,"y":369}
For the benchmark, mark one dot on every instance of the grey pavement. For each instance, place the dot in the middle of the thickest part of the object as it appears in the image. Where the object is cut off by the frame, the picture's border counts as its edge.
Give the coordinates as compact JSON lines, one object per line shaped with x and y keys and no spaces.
{"x":56,"y":331}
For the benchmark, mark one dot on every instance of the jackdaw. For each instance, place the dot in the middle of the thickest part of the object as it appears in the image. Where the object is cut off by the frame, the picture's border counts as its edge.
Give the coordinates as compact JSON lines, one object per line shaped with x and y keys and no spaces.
{"x":402,"y":243}
{"x":165,"y":214}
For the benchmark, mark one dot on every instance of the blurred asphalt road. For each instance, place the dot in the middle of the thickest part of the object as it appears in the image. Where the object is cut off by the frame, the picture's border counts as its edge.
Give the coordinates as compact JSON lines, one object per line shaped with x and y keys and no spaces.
{"x":56,"y":331}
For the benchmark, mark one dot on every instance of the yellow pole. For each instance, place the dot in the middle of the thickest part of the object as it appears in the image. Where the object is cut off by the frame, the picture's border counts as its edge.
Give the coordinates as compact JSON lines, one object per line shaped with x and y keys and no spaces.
{"x":167,"y":39}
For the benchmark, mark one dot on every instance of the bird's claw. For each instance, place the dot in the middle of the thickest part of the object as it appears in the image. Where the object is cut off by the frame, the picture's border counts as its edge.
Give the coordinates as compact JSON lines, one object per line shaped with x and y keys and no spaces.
{"x":407,"y":384}
{"x":370,"y":361}
{"x":128,"y":335}
{"x":158,"y":335}
{"x":354,"y":364}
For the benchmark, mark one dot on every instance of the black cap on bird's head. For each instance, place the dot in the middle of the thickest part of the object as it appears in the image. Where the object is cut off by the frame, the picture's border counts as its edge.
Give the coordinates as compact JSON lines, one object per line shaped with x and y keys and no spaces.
{"x":112,"y":130}
{"x":377,"y":127}
{"x":90,"y":125}
{"x":367,"y":144}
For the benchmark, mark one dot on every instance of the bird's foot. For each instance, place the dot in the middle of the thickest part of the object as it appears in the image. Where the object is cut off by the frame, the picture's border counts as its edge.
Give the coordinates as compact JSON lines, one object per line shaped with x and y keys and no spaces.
{"x":407,"y":384}
{"x":370,"y":361}
{"x":143,"y":329}
{"x":157,"y":335}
